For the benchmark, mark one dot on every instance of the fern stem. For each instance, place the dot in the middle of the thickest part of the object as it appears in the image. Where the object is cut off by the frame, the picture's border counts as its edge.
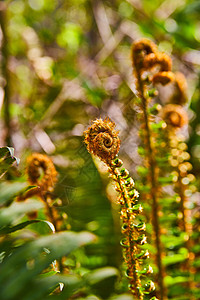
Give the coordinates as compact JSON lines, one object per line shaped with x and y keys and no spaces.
{"x":137,"y":282}
{"x":50,"y":212}
{"x":102,"y":140}
{"x":6,"y":75}
{"x":184,"y":223}
{"x":154,"y":188}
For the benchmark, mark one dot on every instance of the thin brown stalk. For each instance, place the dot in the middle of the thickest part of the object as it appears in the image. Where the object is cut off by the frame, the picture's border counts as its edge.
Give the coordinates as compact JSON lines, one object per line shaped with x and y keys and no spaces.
{"x":54,"y":221}
{"x":5,"y":74}
{"x":49,"y":211}
{"x":184,"y":224}
{"x":130,"y":240}
{"x":154,"y":188}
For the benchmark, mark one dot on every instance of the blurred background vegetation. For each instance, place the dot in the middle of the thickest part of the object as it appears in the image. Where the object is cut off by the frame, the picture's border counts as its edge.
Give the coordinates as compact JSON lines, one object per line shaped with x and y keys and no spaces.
{"x":67,"y":62}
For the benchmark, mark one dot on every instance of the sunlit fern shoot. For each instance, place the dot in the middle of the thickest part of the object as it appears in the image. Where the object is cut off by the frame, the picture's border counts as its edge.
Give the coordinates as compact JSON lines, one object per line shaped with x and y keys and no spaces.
{"x":102,"y":140}
{"x":42,"y":175}
{"x":152,"y":68}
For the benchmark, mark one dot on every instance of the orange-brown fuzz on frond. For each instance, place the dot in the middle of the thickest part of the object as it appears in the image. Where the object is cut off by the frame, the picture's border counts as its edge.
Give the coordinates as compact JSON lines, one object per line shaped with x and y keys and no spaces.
{"x":41,"y":172}
{"x":180,"y":97}
{"x":102,"y":139}
{"x":174,"y":115}
{"x":163,"y":78}
{"x":157,"y":59}
{"x":140,"y":49}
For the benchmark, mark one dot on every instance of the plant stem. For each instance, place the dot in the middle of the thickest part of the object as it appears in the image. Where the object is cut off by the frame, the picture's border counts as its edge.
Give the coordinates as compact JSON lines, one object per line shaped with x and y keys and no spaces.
{"x":132,"y":246}
{"x":50,"y":212}
{"x":53,"y":220}
{"x":186,"y":229}
{"x":154,"y":188}
{"x":184,"y":224}
{"x":5,"y":73}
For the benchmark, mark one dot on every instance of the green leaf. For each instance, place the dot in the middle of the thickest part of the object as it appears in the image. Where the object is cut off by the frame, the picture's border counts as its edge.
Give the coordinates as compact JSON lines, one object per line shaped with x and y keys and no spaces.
{"x":7,"y":158}
{"x":165,"y":180}
{"x":42,"y":286}
{"x":174,"y":259}
{"x":171,"y":241}
{"x":9,"y":229}
{"x":142,"y":171}
{"x":8,"y":191}
{"x":6,"y":151}
{"x":70,"y":36}
{"x":9,"y":214}
{"x":94,"y":95}
{"x":101,"y":274}
{"x":35,"y":256}
{"x":102,"y":280}
{"x":141,"y":151}
{"x":196,"y":263}
{"x":156,"y":126}
{"x":169,"y":281}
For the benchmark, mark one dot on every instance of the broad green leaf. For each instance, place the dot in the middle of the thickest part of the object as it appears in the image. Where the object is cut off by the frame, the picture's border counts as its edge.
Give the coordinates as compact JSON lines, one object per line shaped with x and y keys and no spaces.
{"x":169,"y":280}
{"x":102,"y":280}
{"x":173,"y":241}
{"x":101,"y":274}
{"x":32,"y":258}
{"x":41,"y":287}
{"x":8,"y":191}
{"x":9,"y":229}
{"x":9,"y":214}
{"x":174,"y":259}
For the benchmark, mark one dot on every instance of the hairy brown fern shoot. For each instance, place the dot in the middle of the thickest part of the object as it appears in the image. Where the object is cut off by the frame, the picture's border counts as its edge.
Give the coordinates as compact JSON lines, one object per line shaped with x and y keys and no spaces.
{"x":174,"y":115}
{"x":157,"y":59}
{"x":163,"y":78}
{"x":180,"y":94}
{"x":41,"y":172}
{"x":140,"y":49}
{"x":102,"y":139}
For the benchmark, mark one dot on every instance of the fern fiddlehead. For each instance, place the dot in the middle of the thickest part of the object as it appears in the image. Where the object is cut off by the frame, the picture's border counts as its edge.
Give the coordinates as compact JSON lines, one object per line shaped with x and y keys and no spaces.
{"x":102,"y":140}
